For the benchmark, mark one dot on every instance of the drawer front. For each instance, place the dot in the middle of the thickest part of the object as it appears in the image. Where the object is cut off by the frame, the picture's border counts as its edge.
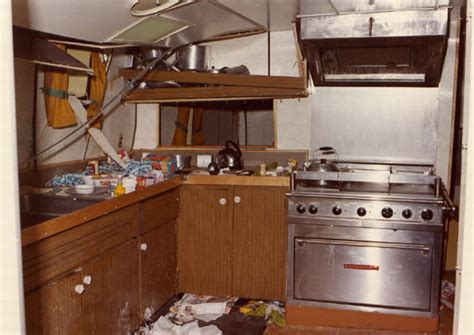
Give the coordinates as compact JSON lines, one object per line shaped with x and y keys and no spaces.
{"x":160,"y":209}
{"x":51,"y":257}
{"x":380,"y":274}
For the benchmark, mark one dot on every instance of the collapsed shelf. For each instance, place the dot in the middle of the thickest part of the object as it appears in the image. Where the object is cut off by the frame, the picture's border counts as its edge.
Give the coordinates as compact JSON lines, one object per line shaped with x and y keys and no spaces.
{"x":215,"y":86}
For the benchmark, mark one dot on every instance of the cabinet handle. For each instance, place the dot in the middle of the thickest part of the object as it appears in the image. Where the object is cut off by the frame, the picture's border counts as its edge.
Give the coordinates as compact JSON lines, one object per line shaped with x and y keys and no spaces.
{"x":79,"y":289}
{"x":87,"y":280}
{"x":222,"y":201}
{"x":143,"y":246}
{"x":237,"y":200}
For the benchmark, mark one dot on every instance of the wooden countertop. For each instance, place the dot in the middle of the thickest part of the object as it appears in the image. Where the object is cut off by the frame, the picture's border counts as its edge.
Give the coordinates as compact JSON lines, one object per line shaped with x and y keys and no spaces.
{"x":236,"y":180}
{"x":57,"y":225}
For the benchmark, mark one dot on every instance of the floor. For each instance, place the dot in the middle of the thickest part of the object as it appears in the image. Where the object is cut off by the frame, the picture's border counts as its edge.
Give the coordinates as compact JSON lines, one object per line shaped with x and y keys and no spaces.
{"x":236,"y":323}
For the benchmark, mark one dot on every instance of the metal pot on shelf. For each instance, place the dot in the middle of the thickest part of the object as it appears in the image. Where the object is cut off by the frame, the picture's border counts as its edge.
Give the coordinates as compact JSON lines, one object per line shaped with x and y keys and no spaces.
{"x":193,"y":58}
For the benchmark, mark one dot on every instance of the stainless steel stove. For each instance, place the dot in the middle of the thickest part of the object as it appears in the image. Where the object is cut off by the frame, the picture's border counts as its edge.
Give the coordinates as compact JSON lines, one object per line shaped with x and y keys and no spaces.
{"x":370,"y":239}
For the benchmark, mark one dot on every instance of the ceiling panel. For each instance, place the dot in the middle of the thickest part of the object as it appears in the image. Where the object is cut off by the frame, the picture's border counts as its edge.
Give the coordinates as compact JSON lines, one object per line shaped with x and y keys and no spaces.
{"x":90,"y":20}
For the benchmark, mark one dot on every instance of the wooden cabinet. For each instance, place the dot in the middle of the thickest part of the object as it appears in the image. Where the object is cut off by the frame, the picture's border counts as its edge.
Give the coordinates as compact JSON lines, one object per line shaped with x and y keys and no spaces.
{"x":85,"y":280}
{"x":110,"y":299}
{"x":55,"y":308}
{"x":158,"y":282}
{"x":205,"y":240}
{"x":232,"y":241}
{"x":98,"y":297}
{"x":104,"y":276}
{"x":259,"y":246}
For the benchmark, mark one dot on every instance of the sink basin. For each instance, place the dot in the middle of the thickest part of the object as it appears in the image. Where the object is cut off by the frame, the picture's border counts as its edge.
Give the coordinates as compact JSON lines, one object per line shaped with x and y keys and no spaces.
{"x":39,"y":207}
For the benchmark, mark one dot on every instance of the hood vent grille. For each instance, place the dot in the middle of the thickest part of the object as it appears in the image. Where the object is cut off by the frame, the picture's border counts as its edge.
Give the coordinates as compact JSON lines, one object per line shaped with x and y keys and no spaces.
{"x":403,"y":48}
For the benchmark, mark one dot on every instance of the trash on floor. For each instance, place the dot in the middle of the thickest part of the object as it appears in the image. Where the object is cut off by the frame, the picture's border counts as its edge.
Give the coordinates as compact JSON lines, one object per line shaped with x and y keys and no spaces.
{"x":164,"y":326}
{"x":447,"y":293}
{"x":185,"y":313}
{"x":273,"y":311}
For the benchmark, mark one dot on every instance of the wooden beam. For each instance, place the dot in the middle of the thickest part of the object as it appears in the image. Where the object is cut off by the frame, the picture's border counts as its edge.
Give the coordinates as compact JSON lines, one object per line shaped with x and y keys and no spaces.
{"x":211,"y":93}
{"x":295,"y":83}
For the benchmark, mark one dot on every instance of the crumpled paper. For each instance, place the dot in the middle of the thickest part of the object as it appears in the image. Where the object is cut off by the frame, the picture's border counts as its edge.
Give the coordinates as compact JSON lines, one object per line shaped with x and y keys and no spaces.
{"x":163,"y":326}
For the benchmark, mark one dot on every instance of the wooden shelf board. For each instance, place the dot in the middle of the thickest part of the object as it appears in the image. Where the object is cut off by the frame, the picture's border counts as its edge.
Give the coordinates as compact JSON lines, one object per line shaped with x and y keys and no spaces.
{"x":295,"y":83}
{"x":211,"y":93}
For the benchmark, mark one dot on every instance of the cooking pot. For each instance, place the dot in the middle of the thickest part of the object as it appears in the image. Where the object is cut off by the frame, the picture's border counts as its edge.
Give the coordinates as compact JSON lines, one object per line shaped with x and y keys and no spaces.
{"x":193,"y":58}
{"x":230,"y":157}
{"x":320,"y":164}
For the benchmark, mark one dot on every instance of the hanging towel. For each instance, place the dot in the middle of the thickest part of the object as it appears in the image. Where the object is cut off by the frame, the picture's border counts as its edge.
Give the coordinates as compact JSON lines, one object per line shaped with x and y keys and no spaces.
{"x":58,"y":111}
{"x":98,"y":84}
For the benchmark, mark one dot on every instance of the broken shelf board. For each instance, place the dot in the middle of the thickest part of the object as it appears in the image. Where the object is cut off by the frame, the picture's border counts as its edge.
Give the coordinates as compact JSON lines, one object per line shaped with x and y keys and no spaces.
{"x":187,"y":77}
{"x":211,"y":93}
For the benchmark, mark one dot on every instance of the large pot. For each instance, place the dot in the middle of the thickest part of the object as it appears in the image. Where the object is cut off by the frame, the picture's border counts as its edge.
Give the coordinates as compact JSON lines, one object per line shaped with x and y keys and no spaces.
{"x":320,"y":164}
{"x":193,"y":58}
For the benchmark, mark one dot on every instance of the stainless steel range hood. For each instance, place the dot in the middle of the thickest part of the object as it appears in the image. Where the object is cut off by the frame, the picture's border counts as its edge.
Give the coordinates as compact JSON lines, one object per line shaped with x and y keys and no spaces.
{"x":385,"y":47}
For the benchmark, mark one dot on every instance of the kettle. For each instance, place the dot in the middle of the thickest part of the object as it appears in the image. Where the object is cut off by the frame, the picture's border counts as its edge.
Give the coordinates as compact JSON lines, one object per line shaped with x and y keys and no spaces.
{"x":230,"y":157}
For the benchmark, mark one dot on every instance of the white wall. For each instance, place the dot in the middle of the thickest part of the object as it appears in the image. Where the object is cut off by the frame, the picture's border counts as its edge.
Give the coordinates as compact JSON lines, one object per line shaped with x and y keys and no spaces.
{"x":11,"y":278}
{"x":148,"y":125}
{"x":366,"y":123}
{"x":464,"y":302}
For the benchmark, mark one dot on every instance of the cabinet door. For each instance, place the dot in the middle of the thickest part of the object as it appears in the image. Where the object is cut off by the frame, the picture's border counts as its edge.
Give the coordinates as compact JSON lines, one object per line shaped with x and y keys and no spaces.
{"x":110,"y":303}
{"x":55,"y":308}
{"x":204,"y":240}
{"x":260,"y":243}
{"x":158,"y":267}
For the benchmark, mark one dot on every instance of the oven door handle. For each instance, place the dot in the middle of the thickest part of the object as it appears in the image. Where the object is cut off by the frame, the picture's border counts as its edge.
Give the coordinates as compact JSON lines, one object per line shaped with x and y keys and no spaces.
{"x":424,"y":248}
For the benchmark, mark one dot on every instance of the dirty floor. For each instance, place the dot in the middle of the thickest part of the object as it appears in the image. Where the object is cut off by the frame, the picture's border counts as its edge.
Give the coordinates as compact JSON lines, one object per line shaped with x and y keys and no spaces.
{"x":236,"y":323}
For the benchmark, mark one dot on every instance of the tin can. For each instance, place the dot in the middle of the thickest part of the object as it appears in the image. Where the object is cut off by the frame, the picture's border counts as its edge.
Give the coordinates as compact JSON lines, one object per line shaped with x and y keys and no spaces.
{"x":93,"y":168}
{"x":141,"y":183}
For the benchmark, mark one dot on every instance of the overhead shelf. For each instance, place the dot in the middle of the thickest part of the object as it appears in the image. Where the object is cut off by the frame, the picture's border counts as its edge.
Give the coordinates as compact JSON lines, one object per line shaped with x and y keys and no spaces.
{"x":215,"y":86}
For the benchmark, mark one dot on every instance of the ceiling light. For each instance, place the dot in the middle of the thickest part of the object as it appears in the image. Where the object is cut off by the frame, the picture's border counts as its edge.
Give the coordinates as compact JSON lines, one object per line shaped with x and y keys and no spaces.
{"x":151,"y":7}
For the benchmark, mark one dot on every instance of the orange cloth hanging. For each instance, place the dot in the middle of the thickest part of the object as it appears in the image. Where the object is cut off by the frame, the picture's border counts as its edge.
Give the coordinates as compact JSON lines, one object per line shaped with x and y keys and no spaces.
{"x":198,"y":135}
{"x":58,"y":111}
{"x":181,"y":126}
{"x":98,"y":84}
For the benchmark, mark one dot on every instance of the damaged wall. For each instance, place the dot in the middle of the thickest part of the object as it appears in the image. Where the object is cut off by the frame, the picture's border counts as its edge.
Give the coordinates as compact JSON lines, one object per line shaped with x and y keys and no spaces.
{"x":118,"y":126}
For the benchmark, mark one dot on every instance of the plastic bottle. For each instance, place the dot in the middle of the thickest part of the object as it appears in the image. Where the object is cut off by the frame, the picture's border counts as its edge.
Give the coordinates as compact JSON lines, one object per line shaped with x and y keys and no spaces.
{"x":119,"y":190}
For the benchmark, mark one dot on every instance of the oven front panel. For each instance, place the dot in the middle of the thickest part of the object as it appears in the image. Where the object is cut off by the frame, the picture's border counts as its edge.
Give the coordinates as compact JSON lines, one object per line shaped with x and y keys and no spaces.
{"x":391,"y":275}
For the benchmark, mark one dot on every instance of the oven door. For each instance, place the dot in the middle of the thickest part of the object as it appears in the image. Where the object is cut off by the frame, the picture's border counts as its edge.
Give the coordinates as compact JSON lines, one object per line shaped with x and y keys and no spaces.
{"x":379,"y":274}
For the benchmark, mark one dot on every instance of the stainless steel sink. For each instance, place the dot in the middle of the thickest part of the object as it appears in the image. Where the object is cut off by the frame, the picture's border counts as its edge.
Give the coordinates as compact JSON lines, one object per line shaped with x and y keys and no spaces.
{"x":38,"y":207}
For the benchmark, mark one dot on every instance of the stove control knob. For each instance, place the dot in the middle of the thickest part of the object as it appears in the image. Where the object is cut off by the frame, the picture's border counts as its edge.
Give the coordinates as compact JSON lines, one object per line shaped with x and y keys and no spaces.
{"x":387,"y":212}
{"x":300,"y":208}
{"x":313,"y":209}
{"x":361,"y":211}
{"x":406,"y":213}
{"x":427,"y":214}
{"x":337,"y":210}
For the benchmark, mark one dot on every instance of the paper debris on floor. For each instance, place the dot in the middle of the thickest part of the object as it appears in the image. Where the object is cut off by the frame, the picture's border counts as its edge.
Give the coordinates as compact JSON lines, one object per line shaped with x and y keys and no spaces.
{"x":164,"y":326}
{"x":447,"y":293}
{"x":185,"y":313}
{"x":193,"y":304}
